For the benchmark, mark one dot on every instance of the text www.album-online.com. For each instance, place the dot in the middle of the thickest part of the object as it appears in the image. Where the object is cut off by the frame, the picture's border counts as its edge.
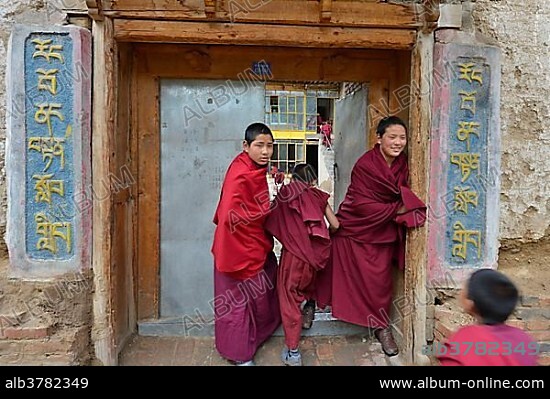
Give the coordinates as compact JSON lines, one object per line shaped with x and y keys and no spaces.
{"x":491,"y":383}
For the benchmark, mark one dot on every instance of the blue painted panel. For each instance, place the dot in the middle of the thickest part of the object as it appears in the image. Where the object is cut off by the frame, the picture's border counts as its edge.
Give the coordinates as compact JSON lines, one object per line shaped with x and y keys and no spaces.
{"x":467,"y":179}
{"x":49,"y":167}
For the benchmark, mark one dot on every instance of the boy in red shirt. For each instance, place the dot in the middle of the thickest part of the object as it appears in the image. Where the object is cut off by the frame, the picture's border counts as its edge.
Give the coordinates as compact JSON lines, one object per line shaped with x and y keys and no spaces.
{"x":490,"y":297}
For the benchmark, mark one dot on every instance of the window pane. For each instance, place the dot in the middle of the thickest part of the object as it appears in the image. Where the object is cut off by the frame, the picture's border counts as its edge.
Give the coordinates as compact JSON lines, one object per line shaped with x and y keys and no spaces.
{"x":282,"y":104}
{"x":292,"y":104}
{"x":283,"y":154}
{"x":300,"y":104}
{"x":311,"y":106}
{"x":275,"y":151}
{"x":274,"y":103}
{"x":274,"y":119}
{"x":311,"y":123}
{"x":300,"y":152}
{"x":300,"y":121}
{"x":291,"y":152}
{"x":292,"y":121}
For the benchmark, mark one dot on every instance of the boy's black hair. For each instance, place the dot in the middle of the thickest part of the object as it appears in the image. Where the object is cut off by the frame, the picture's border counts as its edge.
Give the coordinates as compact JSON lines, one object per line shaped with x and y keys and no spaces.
{"x":304,"y":172}
{"x":494,"y":295}
{"x":254,"y":130}
{"x":387,"y":122}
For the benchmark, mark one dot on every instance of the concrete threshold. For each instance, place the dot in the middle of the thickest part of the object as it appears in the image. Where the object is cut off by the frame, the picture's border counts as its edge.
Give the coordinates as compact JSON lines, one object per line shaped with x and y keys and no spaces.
{"x":324,"y":325}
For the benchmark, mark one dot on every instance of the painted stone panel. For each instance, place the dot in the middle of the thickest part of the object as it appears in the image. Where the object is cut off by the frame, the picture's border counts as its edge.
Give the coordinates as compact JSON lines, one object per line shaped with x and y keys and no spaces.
{"x":48,"y":157}
{"x":465,"y":159}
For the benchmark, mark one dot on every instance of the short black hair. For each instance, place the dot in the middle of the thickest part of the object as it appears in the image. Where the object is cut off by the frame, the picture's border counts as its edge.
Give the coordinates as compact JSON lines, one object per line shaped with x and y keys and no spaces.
{"x":304,"y":172}
{"x":254,"y":130}
{"x":494,"y":295}
{"x":387,"y":122}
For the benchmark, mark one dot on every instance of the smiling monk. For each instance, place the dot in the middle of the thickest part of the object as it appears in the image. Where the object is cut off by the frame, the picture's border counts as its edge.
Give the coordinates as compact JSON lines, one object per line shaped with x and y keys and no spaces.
{"x":377,"y":207}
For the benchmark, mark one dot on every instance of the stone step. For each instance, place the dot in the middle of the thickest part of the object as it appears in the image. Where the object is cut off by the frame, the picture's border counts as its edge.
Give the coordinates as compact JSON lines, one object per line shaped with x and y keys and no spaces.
{"x":324,"y":325}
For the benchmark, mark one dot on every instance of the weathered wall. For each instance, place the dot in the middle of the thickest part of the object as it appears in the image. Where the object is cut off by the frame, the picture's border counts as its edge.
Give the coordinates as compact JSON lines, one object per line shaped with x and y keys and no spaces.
{"x":44,"y":322}
{"x":28,"y":12}
{"x":523,"y":32}
{"x":521,"y":28}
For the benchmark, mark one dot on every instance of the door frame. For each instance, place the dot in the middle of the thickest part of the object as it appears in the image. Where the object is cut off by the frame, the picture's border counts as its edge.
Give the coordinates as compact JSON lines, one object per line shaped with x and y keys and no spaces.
{"x":137,"y":72}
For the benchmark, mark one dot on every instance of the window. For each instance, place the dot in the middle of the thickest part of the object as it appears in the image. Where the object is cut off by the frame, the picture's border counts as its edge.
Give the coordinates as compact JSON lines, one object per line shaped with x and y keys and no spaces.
{"x":286,"y":154}
{"x":297,"y":110}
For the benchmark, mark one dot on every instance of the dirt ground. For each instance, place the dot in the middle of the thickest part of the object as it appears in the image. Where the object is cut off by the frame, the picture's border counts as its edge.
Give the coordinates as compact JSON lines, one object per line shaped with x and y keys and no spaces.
{"x":528,"y":265}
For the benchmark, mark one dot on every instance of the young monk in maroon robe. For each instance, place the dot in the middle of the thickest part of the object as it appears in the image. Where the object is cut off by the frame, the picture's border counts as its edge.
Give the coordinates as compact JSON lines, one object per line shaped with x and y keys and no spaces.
{"x":377,"y":207}
{"x":246,"y":304}
{"x":297,"y":220}
{"x":490,"y":297}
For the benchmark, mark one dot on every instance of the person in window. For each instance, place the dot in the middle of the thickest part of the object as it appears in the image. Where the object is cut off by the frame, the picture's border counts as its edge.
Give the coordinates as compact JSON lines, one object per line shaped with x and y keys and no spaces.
{"x":297,"y":220}
{"x":376,"y":209}
{"x":326,"y":131}
{"x":245,"y":303}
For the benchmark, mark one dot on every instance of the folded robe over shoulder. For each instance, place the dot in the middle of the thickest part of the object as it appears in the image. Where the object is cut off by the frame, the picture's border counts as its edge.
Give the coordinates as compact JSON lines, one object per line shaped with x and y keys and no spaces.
{"x":368,"y":213}
{"x":241,"y":244}
{"x":358,"y":279}
{"x":297,"y":220}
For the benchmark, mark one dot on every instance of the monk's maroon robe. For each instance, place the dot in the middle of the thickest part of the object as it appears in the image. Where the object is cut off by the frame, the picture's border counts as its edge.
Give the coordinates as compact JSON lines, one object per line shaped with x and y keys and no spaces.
{"x":245,"y":303}
{"x":485,"y":345}
{"x":297,"y":221}
{"x":358,"y":280}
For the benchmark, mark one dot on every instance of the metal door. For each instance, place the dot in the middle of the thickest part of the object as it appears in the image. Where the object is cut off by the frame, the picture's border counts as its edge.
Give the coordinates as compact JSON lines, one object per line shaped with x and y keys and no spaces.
{"x":350,"y":139}
{"x":202,"y":128}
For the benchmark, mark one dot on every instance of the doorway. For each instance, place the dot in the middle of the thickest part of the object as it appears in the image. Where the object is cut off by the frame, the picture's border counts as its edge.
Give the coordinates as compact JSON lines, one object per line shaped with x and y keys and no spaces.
{"x":190,"y":125}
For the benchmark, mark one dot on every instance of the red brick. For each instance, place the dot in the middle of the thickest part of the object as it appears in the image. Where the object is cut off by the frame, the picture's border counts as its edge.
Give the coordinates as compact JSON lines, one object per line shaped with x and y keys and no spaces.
{"x":540,"y":335}
{"x":442,"y":313}
{"x":530,"y":301}
{"x":542,"y":325}
{"x":517,"y":323}
{"x":443,"y":329}
{"x":544,"y":302}
{"x":27,"y":332}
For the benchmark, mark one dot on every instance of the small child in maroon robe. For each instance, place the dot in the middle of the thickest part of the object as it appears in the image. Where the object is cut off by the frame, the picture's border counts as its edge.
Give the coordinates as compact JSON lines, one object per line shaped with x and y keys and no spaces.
{"x":297,"y":220}
{"x":490,"y":297}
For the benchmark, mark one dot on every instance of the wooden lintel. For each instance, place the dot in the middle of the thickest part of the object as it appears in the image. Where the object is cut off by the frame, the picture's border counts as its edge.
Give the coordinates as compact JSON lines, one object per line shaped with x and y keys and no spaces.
{"x":326,"y":10}
{"x":430,"y":15}
{"x":95,"y":9}
{"x":284,"y":12}
{"x":210,"y":8}
{"x":265,"y":35}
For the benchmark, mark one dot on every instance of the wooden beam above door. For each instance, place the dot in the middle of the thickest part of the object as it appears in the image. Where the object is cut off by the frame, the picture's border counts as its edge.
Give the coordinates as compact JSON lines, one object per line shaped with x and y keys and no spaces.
{"x":370,"y":13}
{"x":95,"y":9}
{"x":326,"y":10}
{"x":265,"y":35}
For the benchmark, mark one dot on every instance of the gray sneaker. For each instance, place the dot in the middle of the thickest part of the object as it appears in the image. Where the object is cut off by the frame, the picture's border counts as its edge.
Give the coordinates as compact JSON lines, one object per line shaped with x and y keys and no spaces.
{"x":249,"y":363}
{"x":291,"y":359}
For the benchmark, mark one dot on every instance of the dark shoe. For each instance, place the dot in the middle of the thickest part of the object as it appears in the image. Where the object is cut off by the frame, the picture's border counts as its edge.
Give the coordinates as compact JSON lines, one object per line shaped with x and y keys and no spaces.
{"x":308,"y":315}
{"x":386,"y":339}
